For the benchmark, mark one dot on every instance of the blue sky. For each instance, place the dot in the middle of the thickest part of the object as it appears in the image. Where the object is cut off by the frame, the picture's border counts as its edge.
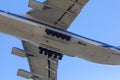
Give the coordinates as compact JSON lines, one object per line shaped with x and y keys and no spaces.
{"x":98,"y":20}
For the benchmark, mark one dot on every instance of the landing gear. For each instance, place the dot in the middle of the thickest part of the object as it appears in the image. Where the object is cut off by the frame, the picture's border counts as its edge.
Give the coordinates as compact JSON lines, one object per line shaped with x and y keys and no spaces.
{"x":58,"y":35}
{"x":50,"y":53}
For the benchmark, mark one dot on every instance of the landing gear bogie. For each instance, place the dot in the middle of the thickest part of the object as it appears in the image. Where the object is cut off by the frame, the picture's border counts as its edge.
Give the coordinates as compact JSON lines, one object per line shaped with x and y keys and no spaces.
{"x":50,"y":53}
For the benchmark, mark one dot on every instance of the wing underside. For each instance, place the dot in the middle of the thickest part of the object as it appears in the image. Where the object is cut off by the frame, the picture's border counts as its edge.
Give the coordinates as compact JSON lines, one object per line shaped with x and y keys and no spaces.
{"x":58,"y":13}
{"x":41,"y":65}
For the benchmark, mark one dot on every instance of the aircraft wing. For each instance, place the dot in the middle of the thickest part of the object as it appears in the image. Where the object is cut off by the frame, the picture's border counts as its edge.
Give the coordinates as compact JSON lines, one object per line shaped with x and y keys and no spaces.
{"x":43,"y":67}
{"x":58,"y":13}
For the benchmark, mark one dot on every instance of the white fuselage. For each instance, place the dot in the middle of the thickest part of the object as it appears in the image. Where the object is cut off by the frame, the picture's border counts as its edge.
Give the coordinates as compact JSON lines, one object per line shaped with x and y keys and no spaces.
{"x":41,"y":34}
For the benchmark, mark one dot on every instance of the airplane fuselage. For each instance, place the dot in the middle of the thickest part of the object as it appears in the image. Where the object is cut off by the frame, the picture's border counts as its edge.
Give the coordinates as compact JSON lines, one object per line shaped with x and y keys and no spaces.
{"x":55,"y":39}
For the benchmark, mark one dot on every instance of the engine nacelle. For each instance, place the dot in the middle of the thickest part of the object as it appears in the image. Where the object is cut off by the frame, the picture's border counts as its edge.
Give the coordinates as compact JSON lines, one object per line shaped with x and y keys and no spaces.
{"x":24,"y":74}
{"x":36,"y":5}
{"x":19,"y":52}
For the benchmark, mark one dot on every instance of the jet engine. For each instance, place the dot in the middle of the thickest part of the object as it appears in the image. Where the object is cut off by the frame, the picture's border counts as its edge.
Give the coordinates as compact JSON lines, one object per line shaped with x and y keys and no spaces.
{"x":36,"y":5}
{"x":19,"y":52}
{"x":29,"y":75}
{"x":24,"y":74}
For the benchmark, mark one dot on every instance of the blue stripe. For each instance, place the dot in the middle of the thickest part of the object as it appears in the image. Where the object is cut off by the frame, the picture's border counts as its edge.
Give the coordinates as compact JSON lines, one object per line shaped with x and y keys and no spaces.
{"x":25,"y":18}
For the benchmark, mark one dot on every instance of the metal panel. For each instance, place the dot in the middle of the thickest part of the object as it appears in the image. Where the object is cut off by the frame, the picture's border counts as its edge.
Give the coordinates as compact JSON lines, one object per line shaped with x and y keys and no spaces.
{"x":114,"y":59}
{"x":39,"y":65}
{"x":59,"y":13}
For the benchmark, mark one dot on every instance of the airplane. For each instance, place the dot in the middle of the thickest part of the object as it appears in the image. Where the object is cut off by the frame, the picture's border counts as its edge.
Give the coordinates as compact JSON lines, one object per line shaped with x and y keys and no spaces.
{"x":45,"y":39}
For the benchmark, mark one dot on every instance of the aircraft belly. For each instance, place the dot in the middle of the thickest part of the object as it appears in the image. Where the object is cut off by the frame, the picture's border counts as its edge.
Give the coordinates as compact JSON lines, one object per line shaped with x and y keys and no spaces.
{"x":114,"y":59}
{"x":15,"y":27}
{"x":75,"y":47}
{"x":54,"y":39}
